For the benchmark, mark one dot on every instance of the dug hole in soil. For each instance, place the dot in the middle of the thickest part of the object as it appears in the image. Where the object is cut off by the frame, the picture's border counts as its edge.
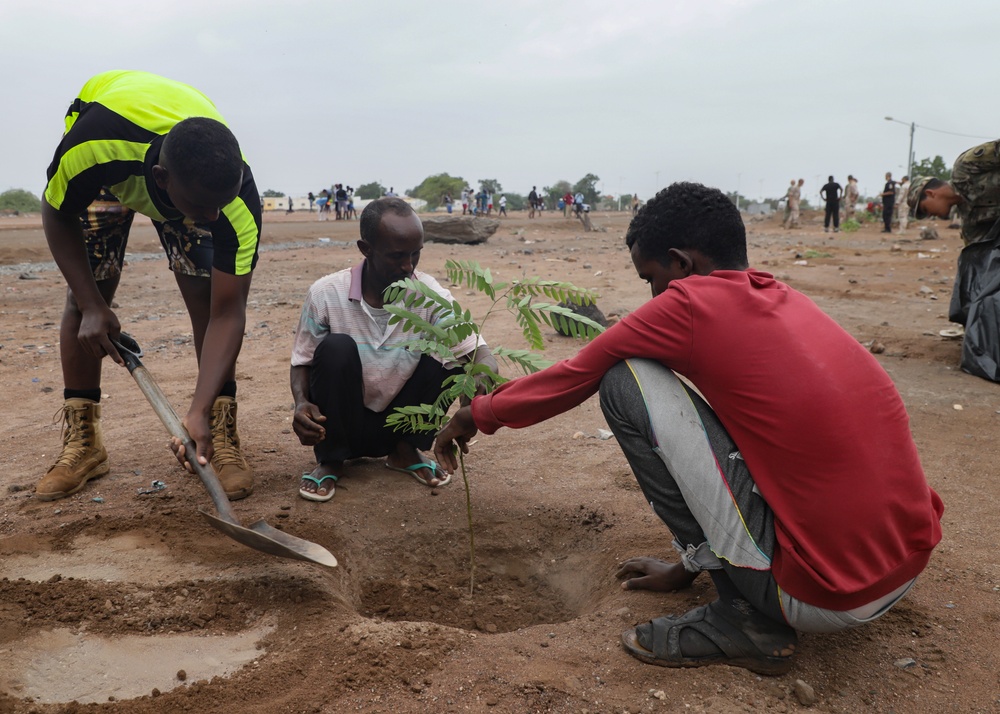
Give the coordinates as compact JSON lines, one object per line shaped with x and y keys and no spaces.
{"x":122,"y":601}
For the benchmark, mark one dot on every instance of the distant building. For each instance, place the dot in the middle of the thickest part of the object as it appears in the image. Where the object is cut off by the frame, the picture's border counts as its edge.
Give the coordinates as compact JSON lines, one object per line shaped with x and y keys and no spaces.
{"x":301,"y":203}
{"x":280,"y":203}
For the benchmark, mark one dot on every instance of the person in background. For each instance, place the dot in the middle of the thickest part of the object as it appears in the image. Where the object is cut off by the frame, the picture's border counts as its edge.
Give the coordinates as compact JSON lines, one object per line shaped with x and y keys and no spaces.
{"x":888,"y":202}
{"x":851,"y":196}
{"x":902,"y":207}
{"x":831,"y":193}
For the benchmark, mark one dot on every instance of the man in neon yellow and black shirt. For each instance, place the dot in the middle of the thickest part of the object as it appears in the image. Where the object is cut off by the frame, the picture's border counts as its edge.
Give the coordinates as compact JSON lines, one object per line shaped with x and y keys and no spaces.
{"x":139,"y":143}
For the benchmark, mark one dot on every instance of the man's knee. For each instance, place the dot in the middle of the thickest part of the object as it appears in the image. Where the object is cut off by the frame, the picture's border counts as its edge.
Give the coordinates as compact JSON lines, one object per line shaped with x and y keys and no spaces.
{"x":630,"y":378}
{"x":336,"y":351}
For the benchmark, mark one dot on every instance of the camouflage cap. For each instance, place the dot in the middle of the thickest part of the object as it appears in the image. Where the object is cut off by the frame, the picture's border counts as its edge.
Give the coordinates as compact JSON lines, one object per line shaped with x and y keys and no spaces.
{"x":916,"y":194}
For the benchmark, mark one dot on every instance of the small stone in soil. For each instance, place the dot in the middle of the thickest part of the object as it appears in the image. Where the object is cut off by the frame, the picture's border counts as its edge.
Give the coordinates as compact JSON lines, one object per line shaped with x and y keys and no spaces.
{"x":804,"y":693}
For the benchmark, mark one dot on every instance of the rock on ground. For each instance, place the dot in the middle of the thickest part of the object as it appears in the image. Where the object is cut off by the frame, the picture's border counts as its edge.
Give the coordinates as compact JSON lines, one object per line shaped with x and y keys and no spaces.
{"x":459,"y":229}
{"x":591,"y":311}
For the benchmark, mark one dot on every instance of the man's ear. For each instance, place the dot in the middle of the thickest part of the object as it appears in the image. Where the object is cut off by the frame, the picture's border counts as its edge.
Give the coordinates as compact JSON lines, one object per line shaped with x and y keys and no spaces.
{"x":365,"y":248}
{"x":161,"y":176}
{"x":682,"y":259}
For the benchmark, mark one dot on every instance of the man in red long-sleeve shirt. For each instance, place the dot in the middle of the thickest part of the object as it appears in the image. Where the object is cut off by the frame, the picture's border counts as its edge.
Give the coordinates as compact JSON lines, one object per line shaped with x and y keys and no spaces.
{"x":794,"y":481}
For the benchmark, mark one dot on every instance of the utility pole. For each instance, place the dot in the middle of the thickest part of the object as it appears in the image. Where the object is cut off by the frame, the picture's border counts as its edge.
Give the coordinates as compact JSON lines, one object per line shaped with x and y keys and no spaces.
{"x":909,"y":156}
{"x":909,"y":162}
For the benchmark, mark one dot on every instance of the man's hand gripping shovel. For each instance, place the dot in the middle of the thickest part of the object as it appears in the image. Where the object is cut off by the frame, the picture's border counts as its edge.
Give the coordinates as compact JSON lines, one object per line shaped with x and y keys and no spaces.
{"x":259,"y":535}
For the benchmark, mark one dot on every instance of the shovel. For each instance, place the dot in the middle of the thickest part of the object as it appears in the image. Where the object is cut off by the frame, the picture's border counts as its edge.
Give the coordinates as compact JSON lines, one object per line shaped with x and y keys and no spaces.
{"x":259,"y":535}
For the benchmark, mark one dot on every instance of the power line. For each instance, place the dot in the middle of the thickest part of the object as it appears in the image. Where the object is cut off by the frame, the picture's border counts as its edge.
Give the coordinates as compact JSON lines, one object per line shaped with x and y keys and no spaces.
{"x":954,"y":133}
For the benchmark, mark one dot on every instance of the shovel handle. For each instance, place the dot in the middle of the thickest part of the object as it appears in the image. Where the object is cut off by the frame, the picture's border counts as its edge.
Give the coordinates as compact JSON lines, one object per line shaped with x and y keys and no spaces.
{"x":158,"y":400}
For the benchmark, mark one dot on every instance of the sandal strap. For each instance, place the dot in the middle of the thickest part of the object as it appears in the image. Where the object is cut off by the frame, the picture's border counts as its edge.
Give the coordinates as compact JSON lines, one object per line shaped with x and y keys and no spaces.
{"x":706,"y":621}
{"x":318,"y":481}
{"x":430,"y":466}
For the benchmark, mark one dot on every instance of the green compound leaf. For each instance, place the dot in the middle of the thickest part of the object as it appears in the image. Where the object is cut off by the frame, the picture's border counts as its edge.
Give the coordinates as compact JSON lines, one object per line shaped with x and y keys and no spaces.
{"x":525,"y":360}
{"x":450,"y":324}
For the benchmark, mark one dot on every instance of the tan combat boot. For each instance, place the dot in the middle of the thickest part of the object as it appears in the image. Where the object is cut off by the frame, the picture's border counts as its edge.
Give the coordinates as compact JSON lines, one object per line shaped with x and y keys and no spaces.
{"x":232,"y":469}
{"x":83,"y":455}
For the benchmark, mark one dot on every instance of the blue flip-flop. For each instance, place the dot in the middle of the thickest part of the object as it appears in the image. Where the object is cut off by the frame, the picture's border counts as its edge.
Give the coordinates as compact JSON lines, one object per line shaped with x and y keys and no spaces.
{"x":414,"y":471}
{"x":312,"y":495}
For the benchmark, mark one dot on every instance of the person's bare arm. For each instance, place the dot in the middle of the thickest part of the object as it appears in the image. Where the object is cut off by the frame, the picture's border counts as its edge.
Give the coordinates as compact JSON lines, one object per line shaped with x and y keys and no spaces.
{"x":99,"y":325}
{"x":223,"y":340}
{"x":308,"y":420}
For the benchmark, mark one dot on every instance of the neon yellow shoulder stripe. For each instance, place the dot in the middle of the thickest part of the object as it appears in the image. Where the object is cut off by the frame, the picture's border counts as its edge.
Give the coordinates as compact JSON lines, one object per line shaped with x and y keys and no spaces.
{"x":83,"y":156}
{"x":242,"y":221}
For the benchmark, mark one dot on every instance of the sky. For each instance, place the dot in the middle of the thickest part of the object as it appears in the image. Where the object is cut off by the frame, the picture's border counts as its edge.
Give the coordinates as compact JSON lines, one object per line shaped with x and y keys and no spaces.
{"x":738,"y":94}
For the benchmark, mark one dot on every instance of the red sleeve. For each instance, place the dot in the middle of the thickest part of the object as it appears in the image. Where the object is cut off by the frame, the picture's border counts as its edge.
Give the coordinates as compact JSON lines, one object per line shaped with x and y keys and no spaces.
{"x":660,"y":330}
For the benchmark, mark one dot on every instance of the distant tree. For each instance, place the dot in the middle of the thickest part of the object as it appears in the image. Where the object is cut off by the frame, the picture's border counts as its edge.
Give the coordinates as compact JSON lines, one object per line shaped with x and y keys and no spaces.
{"x":738,"y":199}
{"x":624,"y":202}
{"x":491,"y":186}
{"x":607,"y":203}
{"x":515,"y":201}
{"x":371,"y":190}
{"x":17,"y":199}
{"x":588,"y":187}
{"x":935,"y":167}
{"x":433,"y":188}
{"x":271,"y":193}
{"x":553,"y":193}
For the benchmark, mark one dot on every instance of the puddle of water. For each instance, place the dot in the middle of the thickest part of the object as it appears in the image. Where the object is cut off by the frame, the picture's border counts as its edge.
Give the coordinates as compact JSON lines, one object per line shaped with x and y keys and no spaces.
{"x":123,"y":558}
{"x":62,"y":666}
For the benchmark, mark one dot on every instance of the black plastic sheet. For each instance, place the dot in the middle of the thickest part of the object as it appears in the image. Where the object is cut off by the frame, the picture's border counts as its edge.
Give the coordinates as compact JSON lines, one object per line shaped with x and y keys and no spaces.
{"x":975,"y":303}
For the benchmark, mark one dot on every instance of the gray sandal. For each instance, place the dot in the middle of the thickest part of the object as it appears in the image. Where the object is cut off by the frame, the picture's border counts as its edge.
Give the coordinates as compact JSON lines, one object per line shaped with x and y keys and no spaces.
{"x":740,"y":637}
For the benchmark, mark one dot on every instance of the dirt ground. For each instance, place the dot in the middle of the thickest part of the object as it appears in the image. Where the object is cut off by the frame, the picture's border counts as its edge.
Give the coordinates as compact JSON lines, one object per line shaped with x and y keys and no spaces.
{"x":142,"y":580}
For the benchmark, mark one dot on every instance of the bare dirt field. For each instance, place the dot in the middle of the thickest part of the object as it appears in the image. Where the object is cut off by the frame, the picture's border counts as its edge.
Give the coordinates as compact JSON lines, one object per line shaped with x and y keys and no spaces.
{"x":115,"y":600}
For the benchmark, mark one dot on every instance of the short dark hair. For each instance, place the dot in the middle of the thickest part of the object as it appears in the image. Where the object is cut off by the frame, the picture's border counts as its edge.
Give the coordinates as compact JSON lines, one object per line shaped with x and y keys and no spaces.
{"x":371,"y":217}
{"x":690,"y":216}
{"x":203,"y":151}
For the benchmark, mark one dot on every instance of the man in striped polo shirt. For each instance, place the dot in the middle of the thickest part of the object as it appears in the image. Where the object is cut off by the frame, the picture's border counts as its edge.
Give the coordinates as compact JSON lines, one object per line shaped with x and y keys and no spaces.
{"x":138,"y":143}
{"x":349,"y":371}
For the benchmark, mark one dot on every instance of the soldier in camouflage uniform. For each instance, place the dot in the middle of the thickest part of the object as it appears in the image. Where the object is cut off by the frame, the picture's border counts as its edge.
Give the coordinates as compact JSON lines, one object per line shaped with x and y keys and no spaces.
{"x":851,"y":196}
{"x":794,"y":199}
{"x":974,"y":192}
{"x":788,"y":203}
{"x":974,"y":189}
{"x":902,"y":207}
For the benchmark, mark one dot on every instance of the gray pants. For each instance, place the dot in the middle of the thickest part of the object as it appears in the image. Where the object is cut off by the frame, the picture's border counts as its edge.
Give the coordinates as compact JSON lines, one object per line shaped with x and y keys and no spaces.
{"x":696,"y":481}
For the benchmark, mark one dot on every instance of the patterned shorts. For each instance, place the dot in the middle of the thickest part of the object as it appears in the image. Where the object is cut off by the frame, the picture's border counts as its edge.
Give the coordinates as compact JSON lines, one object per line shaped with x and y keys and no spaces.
{"x":106,"y":226}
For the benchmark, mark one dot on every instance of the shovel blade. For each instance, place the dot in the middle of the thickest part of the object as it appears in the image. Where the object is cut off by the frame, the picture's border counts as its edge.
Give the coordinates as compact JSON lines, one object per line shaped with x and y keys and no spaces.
{"x":260,"y":536}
